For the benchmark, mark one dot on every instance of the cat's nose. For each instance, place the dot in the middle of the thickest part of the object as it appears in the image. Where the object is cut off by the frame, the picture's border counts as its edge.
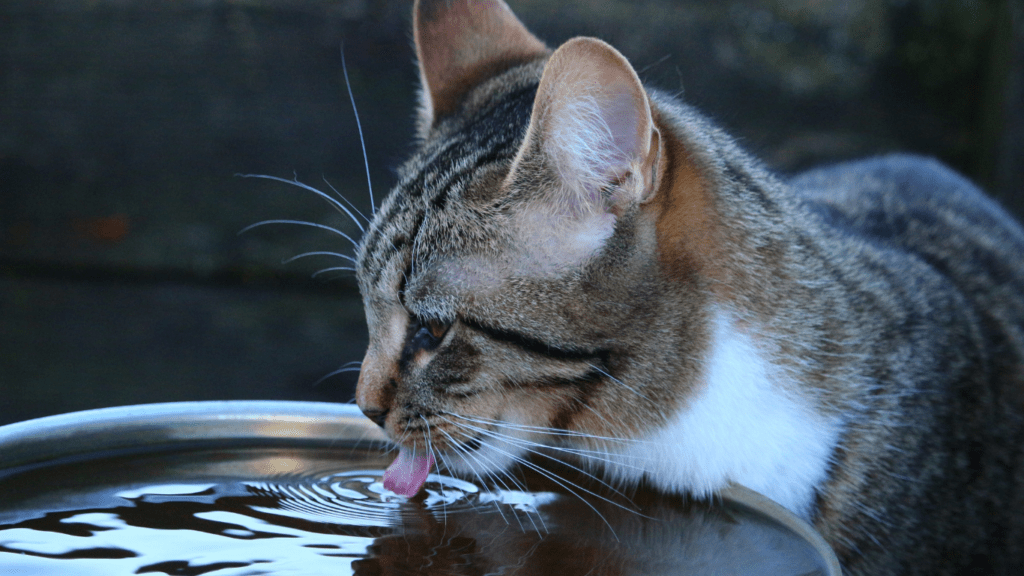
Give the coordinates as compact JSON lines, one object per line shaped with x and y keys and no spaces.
{"x":378,"y":415}
{"x":375,"y":389}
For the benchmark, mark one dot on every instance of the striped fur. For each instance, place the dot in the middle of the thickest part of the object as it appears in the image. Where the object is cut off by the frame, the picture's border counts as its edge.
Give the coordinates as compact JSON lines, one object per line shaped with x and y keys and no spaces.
{"x":628,"y":290}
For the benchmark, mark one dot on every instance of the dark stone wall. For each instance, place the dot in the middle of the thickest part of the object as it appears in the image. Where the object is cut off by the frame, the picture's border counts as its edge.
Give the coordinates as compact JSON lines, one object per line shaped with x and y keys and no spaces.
{"x":123,"y":124}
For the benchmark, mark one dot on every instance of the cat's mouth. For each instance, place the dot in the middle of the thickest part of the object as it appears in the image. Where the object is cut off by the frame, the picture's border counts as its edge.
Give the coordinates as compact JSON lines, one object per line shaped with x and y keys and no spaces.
{"x":408,"y":473}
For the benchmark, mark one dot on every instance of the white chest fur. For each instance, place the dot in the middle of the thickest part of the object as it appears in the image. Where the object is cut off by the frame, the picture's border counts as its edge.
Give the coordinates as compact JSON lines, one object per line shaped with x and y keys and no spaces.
{"x":746,"y":426}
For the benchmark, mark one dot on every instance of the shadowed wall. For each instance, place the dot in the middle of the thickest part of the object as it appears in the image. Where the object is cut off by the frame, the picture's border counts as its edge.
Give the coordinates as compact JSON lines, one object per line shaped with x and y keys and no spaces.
{"x":123,"y":124}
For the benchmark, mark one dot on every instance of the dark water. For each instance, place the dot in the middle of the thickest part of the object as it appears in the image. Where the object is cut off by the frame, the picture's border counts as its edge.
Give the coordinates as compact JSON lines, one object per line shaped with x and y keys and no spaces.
{"x":324,"y":512}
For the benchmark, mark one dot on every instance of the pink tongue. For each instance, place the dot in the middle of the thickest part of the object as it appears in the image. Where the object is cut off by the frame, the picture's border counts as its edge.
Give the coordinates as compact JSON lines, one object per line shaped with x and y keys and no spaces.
{"x":408,"y":472}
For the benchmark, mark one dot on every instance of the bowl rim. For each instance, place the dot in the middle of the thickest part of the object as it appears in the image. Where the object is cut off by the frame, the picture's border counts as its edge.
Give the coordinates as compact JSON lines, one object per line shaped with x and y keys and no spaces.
{"x":146,"y":427}
{"x":90,"y":434}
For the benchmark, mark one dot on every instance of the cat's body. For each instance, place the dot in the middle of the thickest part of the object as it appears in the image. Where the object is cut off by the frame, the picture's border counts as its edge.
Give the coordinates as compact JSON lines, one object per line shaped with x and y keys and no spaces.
{"x":575,"y":261}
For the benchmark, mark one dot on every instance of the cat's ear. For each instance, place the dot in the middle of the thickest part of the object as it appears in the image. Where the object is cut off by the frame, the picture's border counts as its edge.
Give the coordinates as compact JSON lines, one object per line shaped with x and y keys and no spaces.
{"x":592,"y":124}
{"x":459,"y":43}
{"x":590,"y":151}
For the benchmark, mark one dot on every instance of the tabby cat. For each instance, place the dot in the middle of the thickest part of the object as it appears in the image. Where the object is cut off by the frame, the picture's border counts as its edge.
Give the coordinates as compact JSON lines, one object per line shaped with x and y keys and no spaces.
{"x":573,"y":260}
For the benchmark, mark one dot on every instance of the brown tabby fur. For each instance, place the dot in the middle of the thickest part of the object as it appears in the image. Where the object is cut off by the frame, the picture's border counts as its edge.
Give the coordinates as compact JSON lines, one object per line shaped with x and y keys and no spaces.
{"x":888,"y":292}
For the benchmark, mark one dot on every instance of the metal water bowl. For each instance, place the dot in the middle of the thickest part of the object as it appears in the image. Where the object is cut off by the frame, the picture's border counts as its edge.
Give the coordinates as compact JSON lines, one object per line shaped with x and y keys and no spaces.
{"x":256,"y":487}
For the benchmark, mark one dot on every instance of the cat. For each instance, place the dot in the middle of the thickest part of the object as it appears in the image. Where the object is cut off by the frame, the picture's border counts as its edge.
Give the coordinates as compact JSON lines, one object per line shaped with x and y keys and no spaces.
{"x":576,"y":265}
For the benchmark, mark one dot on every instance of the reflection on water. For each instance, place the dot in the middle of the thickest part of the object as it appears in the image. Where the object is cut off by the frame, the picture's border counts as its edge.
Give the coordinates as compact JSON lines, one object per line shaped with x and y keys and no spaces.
{"x":233,"y":513}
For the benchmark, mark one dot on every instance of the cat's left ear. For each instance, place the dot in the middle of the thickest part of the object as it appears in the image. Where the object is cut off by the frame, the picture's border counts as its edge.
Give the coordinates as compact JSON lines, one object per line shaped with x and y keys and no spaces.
{"x":593,"y":129}
{"x":460,"y":43}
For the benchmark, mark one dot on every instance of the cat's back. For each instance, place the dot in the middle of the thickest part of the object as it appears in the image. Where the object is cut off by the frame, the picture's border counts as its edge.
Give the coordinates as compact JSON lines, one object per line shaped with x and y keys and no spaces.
{"x":914,"y":207}
{"x":943,"y":265}
{"x":900,"y":196}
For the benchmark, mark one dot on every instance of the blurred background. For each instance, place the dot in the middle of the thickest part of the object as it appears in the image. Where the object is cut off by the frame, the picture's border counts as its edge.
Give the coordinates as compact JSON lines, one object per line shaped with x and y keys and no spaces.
{"x":124,"y":125}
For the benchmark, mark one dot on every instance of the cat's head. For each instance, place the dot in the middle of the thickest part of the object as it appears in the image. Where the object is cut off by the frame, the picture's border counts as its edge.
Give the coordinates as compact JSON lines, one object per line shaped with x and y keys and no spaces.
{"x":513,"y":280}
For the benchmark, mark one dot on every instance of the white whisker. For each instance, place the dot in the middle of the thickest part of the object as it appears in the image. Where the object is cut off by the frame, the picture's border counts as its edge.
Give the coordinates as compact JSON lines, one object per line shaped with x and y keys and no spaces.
{"x":346,"y":200}
{"x":335,"y":373}
{"x":566,"y":485}
{"x":319,"y":253}
{"x":521,"y":487}
{"x":333,"y":269}
{"x":295,"y":182}
{"x":465,"y":453}
{"x":600,"y":416}
{"x":619,"y":382}
{"x":359,"y":128}
{"x":598,"y":455}
{"x":529,"y":447}
{"x":300,"y":223}
{"x":550,"y":431}
{"x":432,"y":452}
{"x":601,"y":455}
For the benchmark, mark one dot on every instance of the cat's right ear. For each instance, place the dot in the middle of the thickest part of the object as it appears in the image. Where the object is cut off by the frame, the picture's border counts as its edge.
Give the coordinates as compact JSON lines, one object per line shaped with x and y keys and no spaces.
{"x":591,"y":150}
{"x":460,"y":43}
{"x":592,"y":125}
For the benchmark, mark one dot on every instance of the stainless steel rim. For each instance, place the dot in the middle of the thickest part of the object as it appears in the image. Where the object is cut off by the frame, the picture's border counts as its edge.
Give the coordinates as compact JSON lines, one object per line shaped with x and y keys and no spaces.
{"x":181,"y":424}
{"x":774,"y":510}
{"x":257,"y":422}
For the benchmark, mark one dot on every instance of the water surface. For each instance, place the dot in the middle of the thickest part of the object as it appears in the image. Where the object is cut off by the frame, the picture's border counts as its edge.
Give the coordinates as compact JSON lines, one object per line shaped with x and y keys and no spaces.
{"x":234,"y":512}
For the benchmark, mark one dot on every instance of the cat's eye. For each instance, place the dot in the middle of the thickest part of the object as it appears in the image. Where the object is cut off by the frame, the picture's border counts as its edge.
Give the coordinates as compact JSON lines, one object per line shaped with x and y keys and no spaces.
{"x":437,"y":328}
{"x":426,"y":335}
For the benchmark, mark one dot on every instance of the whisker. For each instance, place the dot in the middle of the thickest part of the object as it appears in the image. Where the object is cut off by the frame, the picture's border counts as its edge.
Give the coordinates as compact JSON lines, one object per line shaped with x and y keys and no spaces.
{"x":653,"y":64}
{"x":359,"y":128}
{"x":523,"y":427}
{"x":347,"y":369}
{"x":442,"y":460}
{"x":600,"y":416}
{"x":550,"y":431}
{"x":526,"y":445}
{"x":363,"y":437}
{"x":497,"y":474}
{"x":601,"y":455}
{"x":335,"y":373}
{"x":432,"y":452}
{"x":565,"y":484}
{"x":319,"y":253}
{"x":333,"y":269}
{"x":619,"y":382}
{"x":457,"y":446}
{"x":598,"y":455}
{"x":295,"y":182}
{"x":299,"y":223}
{"x":347,"y":201}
